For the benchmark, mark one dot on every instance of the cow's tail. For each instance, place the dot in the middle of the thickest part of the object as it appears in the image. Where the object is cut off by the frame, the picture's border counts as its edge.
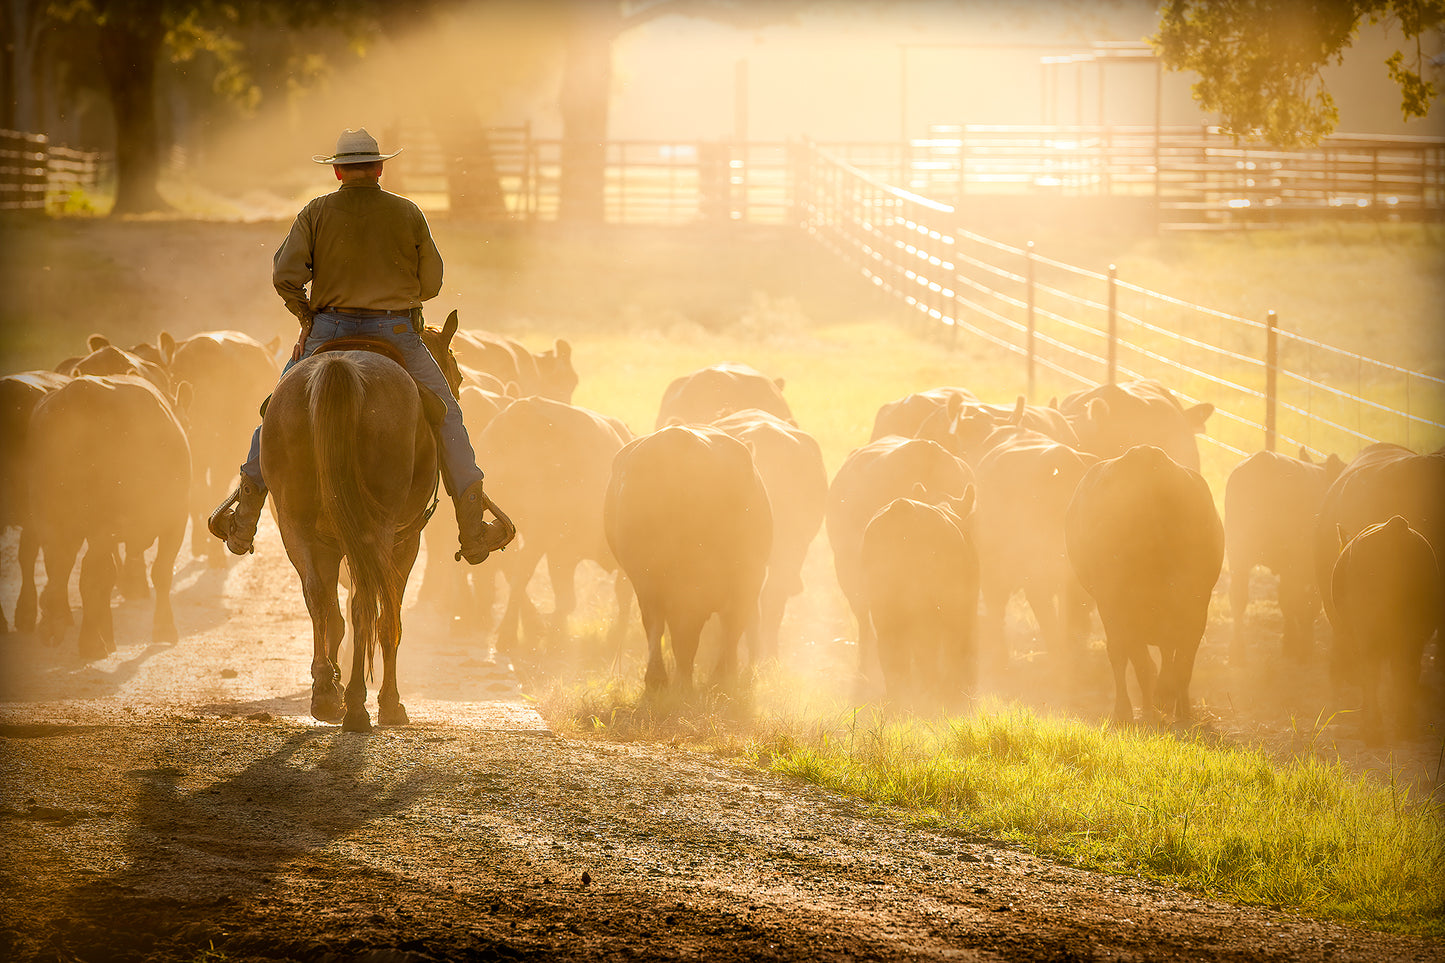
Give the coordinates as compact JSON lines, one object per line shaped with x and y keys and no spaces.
{"x":361,"y":521}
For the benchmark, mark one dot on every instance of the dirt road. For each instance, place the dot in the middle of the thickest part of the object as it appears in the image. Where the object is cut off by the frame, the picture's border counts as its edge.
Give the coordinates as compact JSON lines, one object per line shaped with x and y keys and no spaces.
{"x":176,"y":803}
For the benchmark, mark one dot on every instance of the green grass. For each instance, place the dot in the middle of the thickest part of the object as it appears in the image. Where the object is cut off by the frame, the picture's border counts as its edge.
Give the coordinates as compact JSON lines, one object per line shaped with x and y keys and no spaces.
{"x":1228,"y":821}
{"x":1307,"y":835}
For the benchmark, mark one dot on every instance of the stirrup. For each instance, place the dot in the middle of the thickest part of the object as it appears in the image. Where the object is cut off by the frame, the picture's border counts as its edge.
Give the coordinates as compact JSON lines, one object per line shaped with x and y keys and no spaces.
{"x":224,"y":513}
{"x":495,"y":535}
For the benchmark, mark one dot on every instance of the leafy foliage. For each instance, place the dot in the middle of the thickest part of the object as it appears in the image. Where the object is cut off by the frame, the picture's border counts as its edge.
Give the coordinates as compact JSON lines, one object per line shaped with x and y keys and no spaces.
{"x":1259,"y":61}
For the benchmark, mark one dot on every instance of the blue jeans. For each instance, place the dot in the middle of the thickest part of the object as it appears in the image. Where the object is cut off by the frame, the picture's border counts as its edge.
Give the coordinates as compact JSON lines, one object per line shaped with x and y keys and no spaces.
{"x":459,"y":461}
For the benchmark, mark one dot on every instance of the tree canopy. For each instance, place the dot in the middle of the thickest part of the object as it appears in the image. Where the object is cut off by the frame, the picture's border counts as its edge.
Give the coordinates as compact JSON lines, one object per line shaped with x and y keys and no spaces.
{"x":1260,"y":61}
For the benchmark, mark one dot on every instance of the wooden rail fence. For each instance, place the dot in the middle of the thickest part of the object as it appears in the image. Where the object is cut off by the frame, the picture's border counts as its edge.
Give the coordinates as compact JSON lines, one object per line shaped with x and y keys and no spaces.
{"x":1180,"y":177}
{"x":35,"y":173}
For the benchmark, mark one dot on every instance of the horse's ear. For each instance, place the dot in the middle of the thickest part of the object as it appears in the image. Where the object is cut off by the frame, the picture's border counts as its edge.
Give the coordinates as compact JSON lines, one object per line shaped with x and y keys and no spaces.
{"x":168,"y":347}
{"x":450,"y":328}
{"x":97,"y":341}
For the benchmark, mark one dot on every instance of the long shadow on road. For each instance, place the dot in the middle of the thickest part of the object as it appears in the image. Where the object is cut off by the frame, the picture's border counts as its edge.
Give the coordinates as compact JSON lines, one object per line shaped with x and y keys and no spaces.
{"x":192,"y":845}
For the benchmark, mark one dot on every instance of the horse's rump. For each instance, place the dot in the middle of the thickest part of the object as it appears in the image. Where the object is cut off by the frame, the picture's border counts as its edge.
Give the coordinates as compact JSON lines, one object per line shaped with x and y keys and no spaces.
{"x":351,"y":460}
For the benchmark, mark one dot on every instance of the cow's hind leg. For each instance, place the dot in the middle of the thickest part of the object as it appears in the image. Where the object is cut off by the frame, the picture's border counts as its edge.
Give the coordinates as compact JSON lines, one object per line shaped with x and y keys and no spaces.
{"x":55,"y":600}
{"x":1298,"y":604}
{"x":26,"y":605}
{"x":163,"y":574}
{"x":518,"y":571}
{"x":563,"y":574}
{"x":622,"y":594}
{"x":1119,"y":662}
{"x":131,"y":576}
{"x":652,"y":623}
{"x":685,"y":634}
{"x":1147,"y":675}
{"x":97,"y":579}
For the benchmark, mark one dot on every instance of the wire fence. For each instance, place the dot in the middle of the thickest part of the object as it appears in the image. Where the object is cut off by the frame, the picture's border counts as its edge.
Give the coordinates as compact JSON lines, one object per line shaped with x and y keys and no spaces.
{"x":1270,"y":388}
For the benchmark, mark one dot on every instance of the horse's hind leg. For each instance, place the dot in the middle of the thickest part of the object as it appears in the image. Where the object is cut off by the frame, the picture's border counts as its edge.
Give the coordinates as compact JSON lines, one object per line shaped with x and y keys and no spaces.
{"x":389,"y":710}
{"x":318,"y":585}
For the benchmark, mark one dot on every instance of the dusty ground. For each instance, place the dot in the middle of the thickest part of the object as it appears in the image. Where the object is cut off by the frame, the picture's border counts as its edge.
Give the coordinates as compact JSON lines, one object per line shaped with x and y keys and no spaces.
{"x":176,"y":803}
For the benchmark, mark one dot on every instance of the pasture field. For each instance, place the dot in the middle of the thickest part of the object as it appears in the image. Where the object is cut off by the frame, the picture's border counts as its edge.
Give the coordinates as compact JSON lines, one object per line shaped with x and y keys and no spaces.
{"x":641,"y":307}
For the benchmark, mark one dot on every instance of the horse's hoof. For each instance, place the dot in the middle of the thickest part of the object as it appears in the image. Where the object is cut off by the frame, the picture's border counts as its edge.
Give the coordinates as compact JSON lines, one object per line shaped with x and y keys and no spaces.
{"x":327,"y":703}
{"x":392,"y":715}
{"x":358,"y":721}
{"x":327,"y":710}
{"x":165,"y":635}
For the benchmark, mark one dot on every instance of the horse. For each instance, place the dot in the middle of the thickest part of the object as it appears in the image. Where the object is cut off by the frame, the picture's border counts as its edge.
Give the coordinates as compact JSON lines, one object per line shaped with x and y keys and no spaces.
{"x":351,"y":463}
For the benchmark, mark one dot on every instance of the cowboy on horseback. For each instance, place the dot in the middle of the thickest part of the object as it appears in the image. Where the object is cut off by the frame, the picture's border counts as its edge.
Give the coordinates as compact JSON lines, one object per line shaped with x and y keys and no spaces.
{"x":370,"y":260}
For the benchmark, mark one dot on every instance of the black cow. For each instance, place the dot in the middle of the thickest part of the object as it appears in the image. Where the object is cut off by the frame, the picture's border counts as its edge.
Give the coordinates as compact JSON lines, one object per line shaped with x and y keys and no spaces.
{"x":688,"y":520}
{"x":1147,"y":544}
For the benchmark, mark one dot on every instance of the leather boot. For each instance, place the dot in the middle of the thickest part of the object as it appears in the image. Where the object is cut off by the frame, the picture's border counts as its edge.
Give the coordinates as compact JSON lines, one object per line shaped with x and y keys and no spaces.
{"x":478,"y":537}
{"x":235,"y":521}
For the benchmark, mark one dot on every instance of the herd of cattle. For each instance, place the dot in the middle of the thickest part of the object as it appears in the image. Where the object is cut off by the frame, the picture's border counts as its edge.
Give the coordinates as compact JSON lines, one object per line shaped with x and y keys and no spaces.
{"x":1093,"y":503}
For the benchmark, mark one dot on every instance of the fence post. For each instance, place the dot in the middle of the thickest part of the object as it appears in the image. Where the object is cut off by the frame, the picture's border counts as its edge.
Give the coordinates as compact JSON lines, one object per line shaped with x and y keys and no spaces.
{"x":1271,"y":376}
{"x":1113,"y":363}
{"x":1029,"y":276}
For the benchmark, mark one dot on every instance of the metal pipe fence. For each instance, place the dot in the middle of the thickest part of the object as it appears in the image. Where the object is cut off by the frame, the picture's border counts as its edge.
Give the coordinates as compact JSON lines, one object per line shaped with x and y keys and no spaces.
{"x":1270,"y":387}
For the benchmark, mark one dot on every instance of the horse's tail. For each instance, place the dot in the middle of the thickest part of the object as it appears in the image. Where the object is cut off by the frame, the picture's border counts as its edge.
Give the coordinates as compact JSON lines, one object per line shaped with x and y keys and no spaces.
{"x":336,"y":438}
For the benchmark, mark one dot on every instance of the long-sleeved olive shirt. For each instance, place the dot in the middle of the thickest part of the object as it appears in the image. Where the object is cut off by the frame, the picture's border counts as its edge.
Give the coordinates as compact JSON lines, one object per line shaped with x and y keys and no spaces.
{"x":358,"y":247}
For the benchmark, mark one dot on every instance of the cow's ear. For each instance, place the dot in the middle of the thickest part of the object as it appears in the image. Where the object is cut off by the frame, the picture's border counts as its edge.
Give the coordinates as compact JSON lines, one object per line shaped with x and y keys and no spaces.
{"x":966,"y":501}
{"x":184,"y":395}
{"x":1096,"y":409}
{"x":168,"y":347}
{"x":1333,"y":466}
{"x":273,"y":345}
{"x":564,"y":350}
{"x":780,"y":383}
{"x":97,"y":341}
{"x":1054,"y":402}
{"x":1017,"y":418}
{"x":1198,"y":415}
{"x":1304,"y":455}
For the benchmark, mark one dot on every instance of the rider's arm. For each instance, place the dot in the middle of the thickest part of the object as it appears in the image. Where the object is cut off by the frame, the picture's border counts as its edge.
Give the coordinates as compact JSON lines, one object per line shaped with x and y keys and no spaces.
{"x":292,"y":265}
{"x":429,"y":263}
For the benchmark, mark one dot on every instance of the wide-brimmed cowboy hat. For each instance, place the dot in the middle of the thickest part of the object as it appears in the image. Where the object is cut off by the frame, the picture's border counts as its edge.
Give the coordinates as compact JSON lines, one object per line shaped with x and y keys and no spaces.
{"x":355,"y":147}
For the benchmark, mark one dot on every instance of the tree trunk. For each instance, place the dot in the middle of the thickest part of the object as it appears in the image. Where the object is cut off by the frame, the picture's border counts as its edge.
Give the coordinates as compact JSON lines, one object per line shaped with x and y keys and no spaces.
{"x":586,"y":92}
{"x":128,"y":52}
